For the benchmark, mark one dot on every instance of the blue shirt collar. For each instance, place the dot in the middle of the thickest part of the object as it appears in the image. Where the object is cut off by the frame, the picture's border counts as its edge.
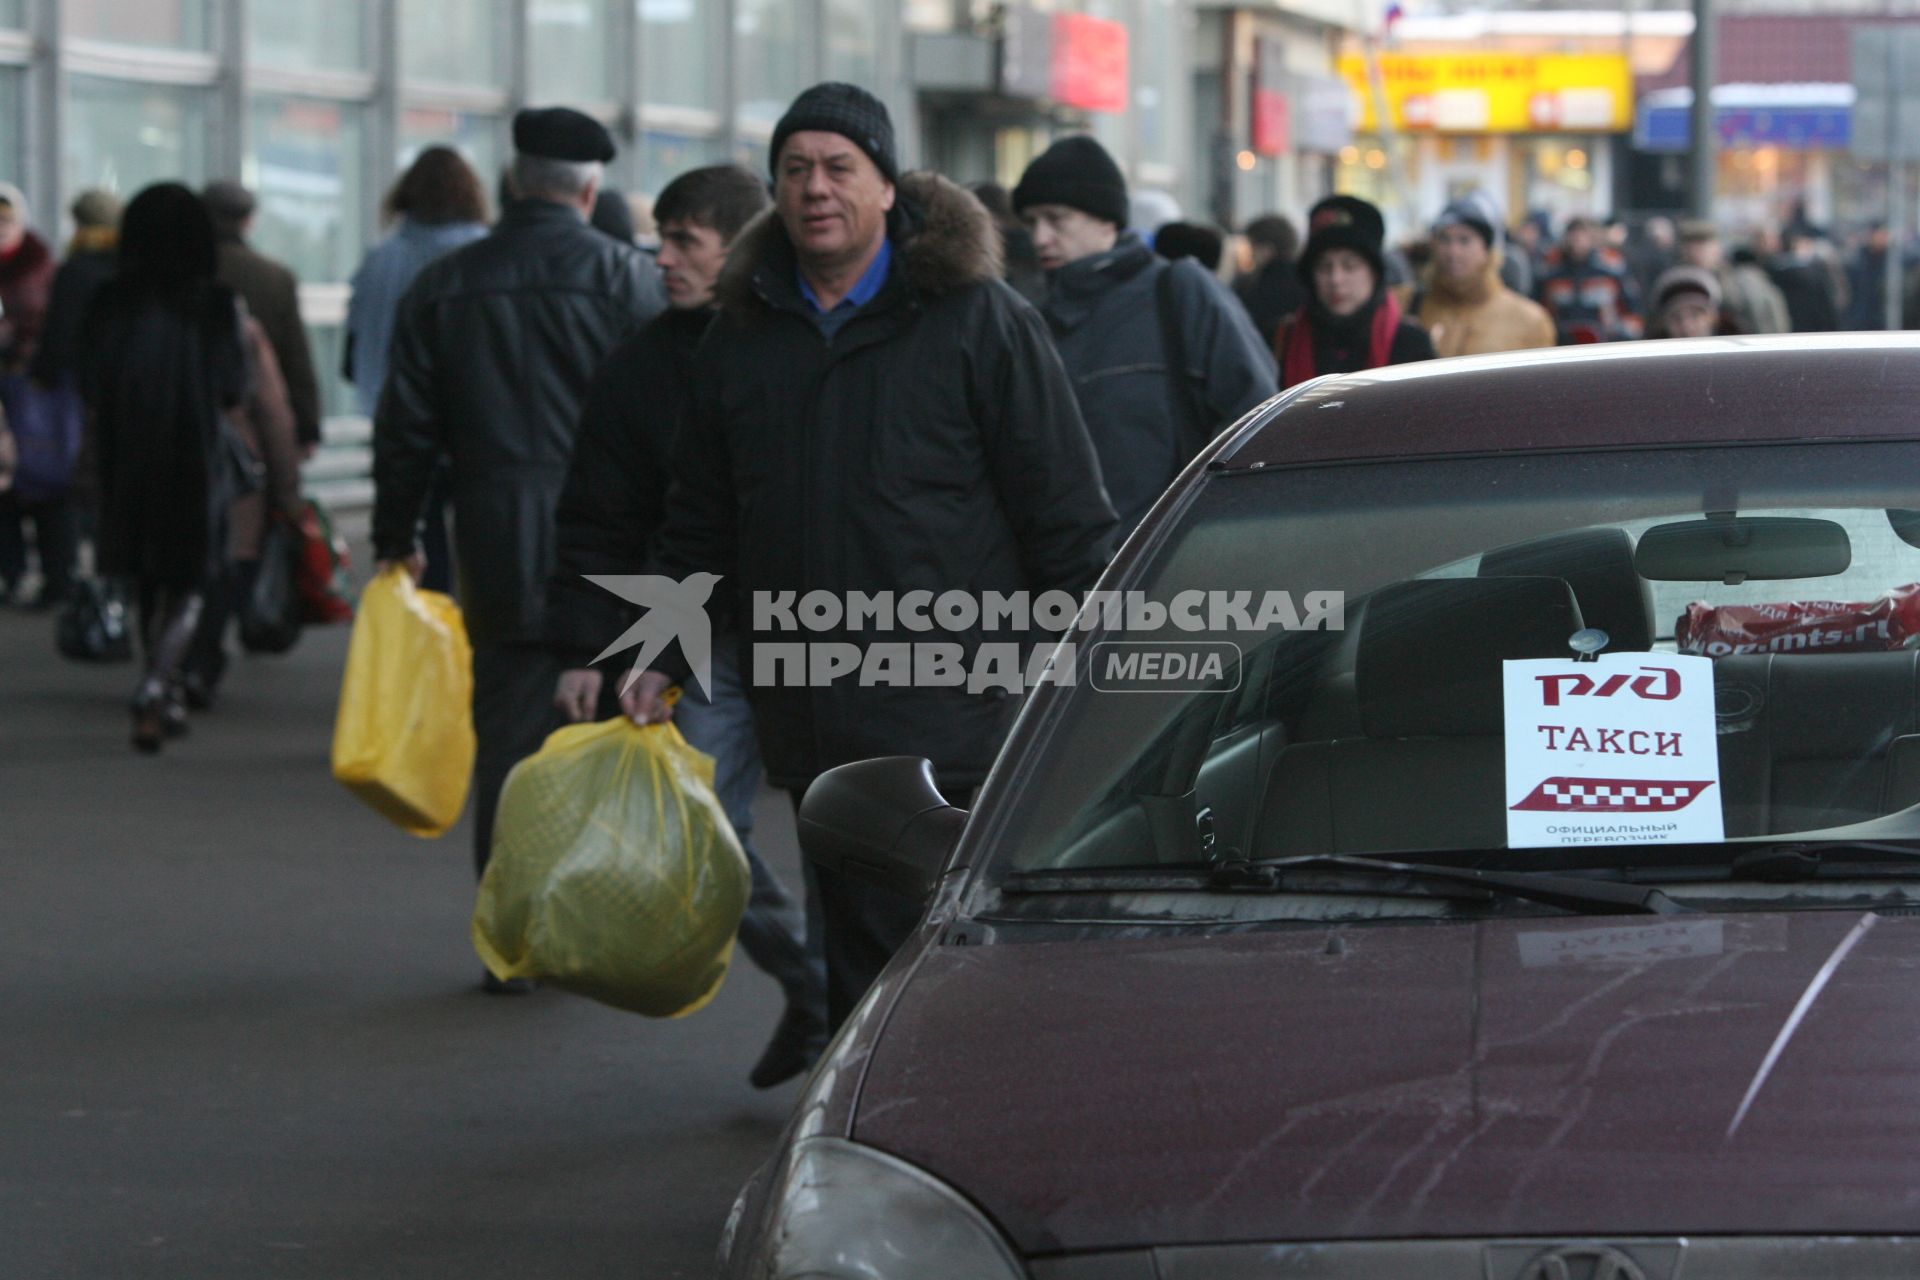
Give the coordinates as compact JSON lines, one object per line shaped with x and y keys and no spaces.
{"x":864,"y":290}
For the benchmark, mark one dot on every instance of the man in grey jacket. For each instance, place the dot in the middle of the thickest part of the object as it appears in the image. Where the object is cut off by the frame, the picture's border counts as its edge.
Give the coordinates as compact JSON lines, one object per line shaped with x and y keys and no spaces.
{"x":1161,"y":356}
{"x":493,"y":350}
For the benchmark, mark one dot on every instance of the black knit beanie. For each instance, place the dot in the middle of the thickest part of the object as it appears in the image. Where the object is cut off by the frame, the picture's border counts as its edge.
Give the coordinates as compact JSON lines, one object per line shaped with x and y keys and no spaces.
{"x":845,"y":109}
{"x":1344,"y":222}
{"x":1076,"y":172}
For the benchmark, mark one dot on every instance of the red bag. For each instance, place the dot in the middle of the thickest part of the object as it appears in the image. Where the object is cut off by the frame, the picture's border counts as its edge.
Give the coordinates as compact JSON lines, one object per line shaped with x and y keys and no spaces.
{"x":321,"y":577}
{"x":1802,"y":626}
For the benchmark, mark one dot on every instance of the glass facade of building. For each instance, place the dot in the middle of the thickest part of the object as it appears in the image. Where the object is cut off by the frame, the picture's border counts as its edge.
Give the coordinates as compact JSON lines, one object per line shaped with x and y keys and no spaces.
{"x":322,"y":34}
{"x":123,"y":135}
{"x":154,"y":24}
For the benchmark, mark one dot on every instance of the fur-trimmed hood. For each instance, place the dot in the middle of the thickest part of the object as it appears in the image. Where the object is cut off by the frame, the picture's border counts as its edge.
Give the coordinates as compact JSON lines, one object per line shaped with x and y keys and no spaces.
{"x":950,"y":243}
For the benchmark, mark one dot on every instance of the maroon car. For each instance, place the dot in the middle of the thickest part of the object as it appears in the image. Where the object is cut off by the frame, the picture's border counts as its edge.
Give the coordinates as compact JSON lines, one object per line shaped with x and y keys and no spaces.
{"x":1474,"y":832}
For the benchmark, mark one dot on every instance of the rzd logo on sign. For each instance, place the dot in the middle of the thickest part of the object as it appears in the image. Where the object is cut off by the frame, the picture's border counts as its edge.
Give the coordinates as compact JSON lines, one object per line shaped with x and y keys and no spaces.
{"x":1660,"y":684}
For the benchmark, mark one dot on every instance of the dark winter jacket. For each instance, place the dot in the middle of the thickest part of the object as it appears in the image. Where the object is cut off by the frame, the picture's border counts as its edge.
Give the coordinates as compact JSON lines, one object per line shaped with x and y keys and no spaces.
{"x":1344,"y":344}
{"x":1867,"y":290}
{"x":1104,"y":312}
{"x":1594,"y":300}
{"x":493,"y":351}
{"x":1270,"y":295}
{"x":26,"y":283}
{"x":74,"y":287}
{"x":159,"y":374}
{"x":933,"y":445}
{"x":272,"y":295}
{"x":1808,"y":289}
{"x":616,"y":491}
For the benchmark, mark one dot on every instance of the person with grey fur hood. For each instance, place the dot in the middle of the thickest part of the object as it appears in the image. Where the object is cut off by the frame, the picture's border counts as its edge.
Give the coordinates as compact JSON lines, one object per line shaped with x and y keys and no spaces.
{"x":1162,"y":357}
{"x":874,"y":410}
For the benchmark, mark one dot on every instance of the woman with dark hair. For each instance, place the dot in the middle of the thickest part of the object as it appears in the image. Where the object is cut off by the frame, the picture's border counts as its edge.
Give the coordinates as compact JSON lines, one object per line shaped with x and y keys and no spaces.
{"x":440,"y":205}
{"x":1351,"y":321}
{"x":163,"y":359}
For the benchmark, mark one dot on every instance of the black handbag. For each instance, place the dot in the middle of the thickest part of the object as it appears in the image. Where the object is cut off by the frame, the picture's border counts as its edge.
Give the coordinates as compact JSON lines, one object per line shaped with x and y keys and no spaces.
{"x":270,"y":610}
{"x":92,"y":627}
{"x":246,"y":474}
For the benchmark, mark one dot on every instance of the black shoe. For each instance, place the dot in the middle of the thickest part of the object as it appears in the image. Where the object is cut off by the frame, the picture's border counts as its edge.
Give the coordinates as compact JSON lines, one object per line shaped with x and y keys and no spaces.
{"x":148,"y":732}
{"x":798,"y":1041}
{"x":507,"y":986}
{"x":198,"y":690}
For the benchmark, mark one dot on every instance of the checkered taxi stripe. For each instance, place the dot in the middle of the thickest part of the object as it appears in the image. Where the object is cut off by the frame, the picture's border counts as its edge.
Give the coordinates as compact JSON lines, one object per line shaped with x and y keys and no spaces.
{"x":1610,"y":795}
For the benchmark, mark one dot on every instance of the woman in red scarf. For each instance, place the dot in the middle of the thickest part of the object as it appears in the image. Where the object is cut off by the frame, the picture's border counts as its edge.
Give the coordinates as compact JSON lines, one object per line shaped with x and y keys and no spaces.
{"x":1350,"y":321}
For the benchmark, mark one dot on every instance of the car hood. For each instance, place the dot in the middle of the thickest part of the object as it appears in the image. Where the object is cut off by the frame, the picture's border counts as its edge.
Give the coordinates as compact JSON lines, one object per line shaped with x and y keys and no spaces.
{"x":1696,"y":1074}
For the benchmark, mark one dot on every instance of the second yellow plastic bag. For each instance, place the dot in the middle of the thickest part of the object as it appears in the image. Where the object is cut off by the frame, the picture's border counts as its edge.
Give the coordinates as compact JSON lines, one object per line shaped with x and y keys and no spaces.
{"x":403,"y":737}
{"x":615,"y":873}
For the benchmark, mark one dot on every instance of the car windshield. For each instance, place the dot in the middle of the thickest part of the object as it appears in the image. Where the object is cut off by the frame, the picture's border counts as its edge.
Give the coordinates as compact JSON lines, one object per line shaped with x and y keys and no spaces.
{"x":1341,"y":668}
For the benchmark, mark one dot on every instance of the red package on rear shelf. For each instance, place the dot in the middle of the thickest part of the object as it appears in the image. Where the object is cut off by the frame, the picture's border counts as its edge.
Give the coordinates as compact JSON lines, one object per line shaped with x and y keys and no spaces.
{"x":1802,"y":626}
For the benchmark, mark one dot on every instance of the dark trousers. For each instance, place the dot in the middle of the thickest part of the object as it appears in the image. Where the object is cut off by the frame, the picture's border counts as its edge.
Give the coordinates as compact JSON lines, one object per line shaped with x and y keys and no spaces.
{"x":169,"y":617}
{"x":860,"y":926}
{"x":439,"y":575}
{"x":13,"y":545}
{"x":776,"y":933}
{"x":513,"y":713}
{"x":224,"y":592}
{"x":55,"y":538}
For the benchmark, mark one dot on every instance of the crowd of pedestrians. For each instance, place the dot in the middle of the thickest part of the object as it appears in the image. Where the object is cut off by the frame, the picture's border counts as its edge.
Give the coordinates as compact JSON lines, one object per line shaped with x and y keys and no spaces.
{"x":831,"y":376}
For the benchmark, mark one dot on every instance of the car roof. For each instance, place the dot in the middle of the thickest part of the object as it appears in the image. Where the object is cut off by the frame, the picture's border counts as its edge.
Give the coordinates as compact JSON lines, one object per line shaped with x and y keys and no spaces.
{"x":1803,"y":387}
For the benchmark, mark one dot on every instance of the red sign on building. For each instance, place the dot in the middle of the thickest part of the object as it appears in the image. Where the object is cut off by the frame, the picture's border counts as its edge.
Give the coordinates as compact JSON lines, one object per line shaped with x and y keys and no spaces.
{"x":1272,"y":117}
{"x":1089,"y":63}
{"x":1272,"y":125}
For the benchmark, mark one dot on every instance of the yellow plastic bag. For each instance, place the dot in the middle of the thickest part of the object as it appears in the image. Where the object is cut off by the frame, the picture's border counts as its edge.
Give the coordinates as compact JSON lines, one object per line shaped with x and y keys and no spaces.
{"x":615,"y":873}
{"x":403,"y":737}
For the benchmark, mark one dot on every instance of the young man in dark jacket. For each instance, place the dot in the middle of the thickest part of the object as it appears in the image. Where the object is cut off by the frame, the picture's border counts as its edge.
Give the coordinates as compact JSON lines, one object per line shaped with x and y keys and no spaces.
{"x":874,"y":411}
{"x":494,"y":347}
{"x":1272,"y":291}
{"x":1162,"y":357}
{"x":610,"y":514}
{"x":1588,"y":291}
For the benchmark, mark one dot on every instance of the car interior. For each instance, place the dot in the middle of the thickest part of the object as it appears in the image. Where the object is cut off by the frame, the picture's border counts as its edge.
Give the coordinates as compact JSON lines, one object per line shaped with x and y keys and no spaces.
{"x":1387,"y":736}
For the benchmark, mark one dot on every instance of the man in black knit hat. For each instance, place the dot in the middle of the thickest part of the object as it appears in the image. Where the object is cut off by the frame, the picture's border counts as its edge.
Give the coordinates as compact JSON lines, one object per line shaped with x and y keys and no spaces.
{"x":873,"y":411}
{"x":1161,"y":355}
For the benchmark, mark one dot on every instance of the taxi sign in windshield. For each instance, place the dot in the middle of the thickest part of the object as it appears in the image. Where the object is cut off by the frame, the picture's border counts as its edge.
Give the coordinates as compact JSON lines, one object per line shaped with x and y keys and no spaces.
{"x":1618,"y":750}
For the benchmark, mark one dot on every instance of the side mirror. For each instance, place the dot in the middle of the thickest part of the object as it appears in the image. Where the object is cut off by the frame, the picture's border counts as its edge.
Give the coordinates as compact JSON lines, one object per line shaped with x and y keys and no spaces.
{"x":882,"y":821}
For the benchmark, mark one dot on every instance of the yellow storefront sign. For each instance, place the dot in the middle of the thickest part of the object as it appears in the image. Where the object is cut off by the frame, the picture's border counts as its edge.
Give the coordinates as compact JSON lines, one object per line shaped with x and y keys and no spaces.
{"x":1497,"y":92}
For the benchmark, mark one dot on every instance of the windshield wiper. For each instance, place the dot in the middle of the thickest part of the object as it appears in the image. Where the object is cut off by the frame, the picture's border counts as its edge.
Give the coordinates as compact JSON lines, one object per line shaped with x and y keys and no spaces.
{"x":1588,"y":897}
{"x":1803,"y":860}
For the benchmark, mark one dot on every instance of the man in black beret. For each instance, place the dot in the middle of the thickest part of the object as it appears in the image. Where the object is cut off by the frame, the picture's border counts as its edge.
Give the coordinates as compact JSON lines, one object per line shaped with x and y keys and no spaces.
{"x":493,"y":350}
{"x":874,"y":411}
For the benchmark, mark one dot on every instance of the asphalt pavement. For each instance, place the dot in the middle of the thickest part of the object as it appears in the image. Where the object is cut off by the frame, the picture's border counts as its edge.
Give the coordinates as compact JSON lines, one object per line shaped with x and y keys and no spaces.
{"x":241,"y":1034}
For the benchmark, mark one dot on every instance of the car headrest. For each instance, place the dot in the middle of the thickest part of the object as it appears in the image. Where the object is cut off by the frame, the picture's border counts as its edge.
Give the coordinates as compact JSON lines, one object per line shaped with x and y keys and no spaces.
{"x":1598,"y":565}
{"x":1430,"y":651}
